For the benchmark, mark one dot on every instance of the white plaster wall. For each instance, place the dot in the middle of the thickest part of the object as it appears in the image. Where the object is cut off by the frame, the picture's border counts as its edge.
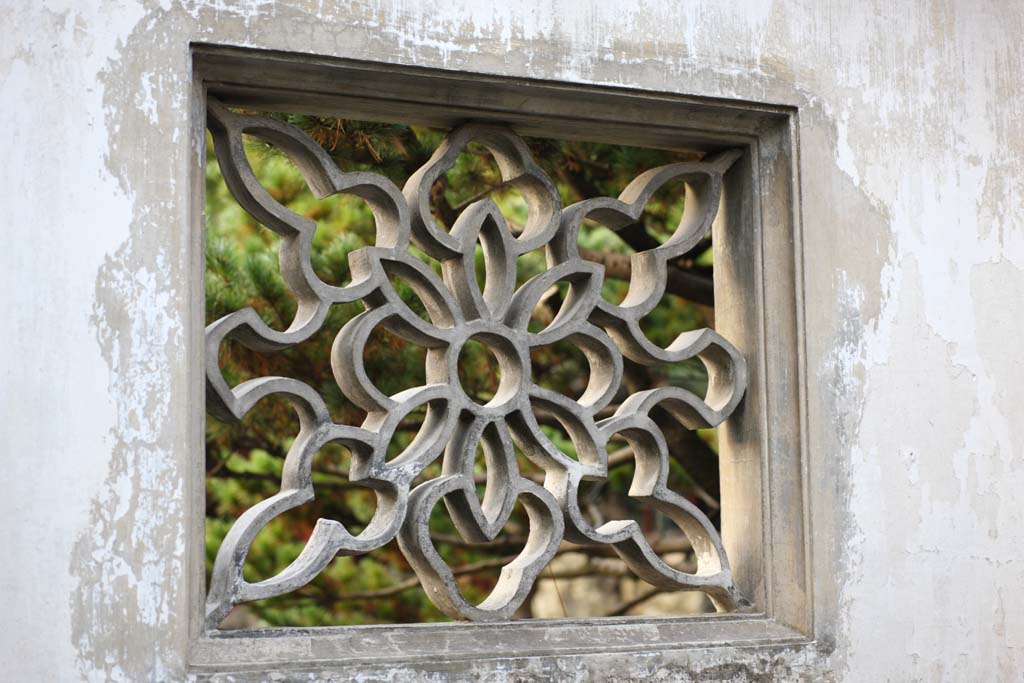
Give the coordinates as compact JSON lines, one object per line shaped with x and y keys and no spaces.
{"x":912,"y":162}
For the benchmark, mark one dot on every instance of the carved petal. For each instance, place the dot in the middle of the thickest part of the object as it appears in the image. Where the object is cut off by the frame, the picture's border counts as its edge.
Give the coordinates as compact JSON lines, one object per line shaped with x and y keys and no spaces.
{"x":228,"y":587}
{"x":482,"y":222}
{"x":713,"y":575}
{"x":313,"y":297}
{"x":516,"y":578}
{"x":517,"y":169}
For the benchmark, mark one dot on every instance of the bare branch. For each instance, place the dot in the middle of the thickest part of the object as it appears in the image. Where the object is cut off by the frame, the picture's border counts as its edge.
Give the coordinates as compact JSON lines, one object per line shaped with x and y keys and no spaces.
{"x":684,"y":283}
{"x":638,"y":600}
{"x":481,"y":194}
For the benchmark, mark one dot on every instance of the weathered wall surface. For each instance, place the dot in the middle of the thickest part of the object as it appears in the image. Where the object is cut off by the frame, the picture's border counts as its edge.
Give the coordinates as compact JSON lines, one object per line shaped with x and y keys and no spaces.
{"x":912,"y":162}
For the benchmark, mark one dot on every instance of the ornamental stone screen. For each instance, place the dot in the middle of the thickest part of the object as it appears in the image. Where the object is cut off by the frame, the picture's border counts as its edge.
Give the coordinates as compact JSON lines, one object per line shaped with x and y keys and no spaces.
{"x":442,"y":290}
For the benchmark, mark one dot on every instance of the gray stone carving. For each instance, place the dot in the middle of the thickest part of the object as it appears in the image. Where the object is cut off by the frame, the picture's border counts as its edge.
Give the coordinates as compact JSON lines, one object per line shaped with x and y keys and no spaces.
{"x":454,"y":422}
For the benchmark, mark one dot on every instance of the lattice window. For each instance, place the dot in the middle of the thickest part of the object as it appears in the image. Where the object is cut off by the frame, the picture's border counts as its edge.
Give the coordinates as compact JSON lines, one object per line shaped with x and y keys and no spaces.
{"x":457,"y":311}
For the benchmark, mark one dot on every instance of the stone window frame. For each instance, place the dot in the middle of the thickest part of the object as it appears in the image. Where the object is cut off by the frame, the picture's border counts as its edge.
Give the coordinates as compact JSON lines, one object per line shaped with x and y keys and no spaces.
{"x":759,"y":308}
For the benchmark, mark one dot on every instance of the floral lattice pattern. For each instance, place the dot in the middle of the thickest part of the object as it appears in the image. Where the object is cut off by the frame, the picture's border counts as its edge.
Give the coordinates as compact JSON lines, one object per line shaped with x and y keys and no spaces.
{"x":455,"y":423}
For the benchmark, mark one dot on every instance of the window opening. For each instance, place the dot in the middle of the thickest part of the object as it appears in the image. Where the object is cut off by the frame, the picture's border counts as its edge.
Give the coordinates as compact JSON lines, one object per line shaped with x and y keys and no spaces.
{"x":481,"y":396}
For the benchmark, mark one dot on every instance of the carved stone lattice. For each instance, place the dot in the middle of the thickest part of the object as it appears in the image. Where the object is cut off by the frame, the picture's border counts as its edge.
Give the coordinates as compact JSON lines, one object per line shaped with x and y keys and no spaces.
{"x":455,"y":423}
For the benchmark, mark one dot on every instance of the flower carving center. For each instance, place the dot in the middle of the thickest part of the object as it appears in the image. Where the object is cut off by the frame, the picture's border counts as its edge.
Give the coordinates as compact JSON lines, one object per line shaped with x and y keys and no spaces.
{"x":490,"y":369}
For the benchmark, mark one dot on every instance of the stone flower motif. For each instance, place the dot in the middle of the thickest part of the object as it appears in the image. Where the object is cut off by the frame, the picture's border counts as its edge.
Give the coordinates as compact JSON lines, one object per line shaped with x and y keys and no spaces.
{"x":497,"y":316}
